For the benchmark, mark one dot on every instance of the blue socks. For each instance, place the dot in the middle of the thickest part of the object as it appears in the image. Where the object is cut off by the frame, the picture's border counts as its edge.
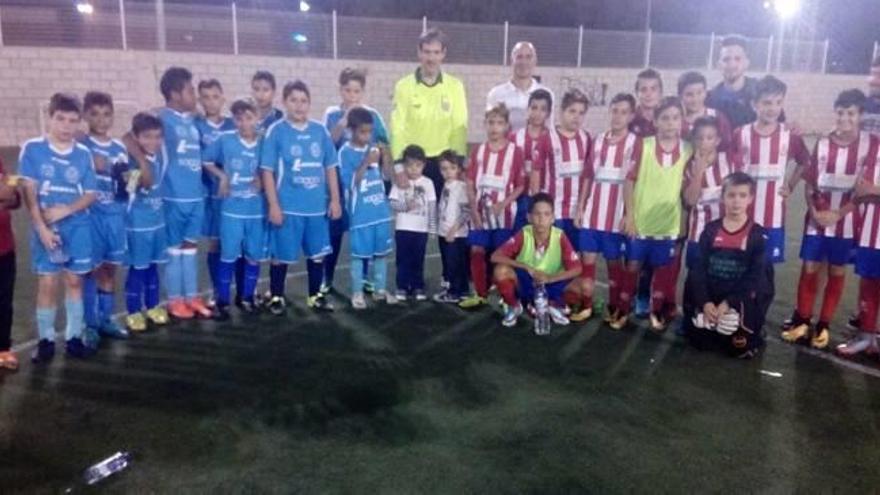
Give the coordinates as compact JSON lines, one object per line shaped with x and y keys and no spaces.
{"x":134,"y":289}
{"x":224,"y":282}
{"x":151,"y":287}
{"x":74,"y":309}
{"x":106,"y":306}
{"x":240,"y":265}
{"x":251,"y":274}
{"x":316,"y":274}
{"x":277,"y":276}
{"x":174,"y":274}
{"x":90,"y":301}
{"x":214,"y":269}
{"x":380,"y":272}
{"x":190,"y":273}
{"x":46,"y":323}
{"x":357,"y":275}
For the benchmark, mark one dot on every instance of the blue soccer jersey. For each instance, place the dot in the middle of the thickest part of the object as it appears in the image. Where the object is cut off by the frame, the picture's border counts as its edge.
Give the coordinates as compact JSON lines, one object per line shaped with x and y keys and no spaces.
{"x":145,"y":206}
{"x":210,"y":132}
{"x":60,"y":177}
{"x":335,"y":113}
{"x":368,"y":204}
{"x":240,"y":159}
{"x":273,"y":116}
{"x":183,"y":157}
{"x":299,"y":157}
{"x":112,"y":152}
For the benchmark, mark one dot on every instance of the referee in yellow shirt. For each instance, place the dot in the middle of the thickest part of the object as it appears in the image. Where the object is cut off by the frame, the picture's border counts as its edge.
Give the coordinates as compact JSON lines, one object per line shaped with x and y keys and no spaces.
{"x":430,"y":108}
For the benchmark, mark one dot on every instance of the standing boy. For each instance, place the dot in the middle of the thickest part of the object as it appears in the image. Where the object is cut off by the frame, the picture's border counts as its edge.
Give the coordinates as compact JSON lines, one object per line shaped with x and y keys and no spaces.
{"x":692,"y":91}
{"x":526,"y":139}
{"x":263,"y":91}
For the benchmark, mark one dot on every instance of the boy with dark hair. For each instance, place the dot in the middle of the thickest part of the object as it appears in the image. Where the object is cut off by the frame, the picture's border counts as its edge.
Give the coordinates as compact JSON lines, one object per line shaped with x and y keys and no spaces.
{"x":831,"y":221}
{"x":10,"y":199}
{"x":145,"y":226}
{"x":649,"y":92}
{"x":692,"y":91}
{"x":299,"y":173}
{"x":539,"y":110}
{"x":59,"y":186}
{"x":725,"y":286}
{"x":263,"y":91}
{"x":539,"y":254}
{"x":107,"y":216}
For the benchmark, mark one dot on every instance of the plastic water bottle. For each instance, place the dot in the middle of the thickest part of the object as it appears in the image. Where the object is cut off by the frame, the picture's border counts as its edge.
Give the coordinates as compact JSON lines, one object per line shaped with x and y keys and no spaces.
{"x":106,"y":468}
{"x":542,"y":313}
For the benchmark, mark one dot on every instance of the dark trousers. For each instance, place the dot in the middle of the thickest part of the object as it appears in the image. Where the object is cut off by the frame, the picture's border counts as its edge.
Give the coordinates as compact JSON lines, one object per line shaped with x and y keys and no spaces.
{"x":456,"y":258}
{"x":410,"y":260}
{"x":7,"y":285}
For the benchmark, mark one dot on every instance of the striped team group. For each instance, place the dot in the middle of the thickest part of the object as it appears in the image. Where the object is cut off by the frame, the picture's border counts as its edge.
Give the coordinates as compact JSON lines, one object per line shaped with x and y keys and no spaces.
{"x":701,"y":179}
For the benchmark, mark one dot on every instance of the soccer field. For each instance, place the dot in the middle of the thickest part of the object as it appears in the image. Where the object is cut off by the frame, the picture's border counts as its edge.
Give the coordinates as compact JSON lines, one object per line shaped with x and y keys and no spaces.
{"x":429,"y":398}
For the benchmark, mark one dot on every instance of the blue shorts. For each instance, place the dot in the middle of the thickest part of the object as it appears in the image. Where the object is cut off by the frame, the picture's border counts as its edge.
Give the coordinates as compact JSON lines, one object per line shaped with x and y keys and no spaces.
{"x":651,"y":252}
{"x":371,"y":241}
{"x":693,"y":254}
{"x":246,"y":237}
{"x":211,"y":226}
{"x":834,"y":250}
{"x":108,"y":238}
{"x":775,"y":245}
{"x":298,"y":233}
{"x":612,"y":245}
{"x":76,"y":249}
{"x":526,"y":289}
{"x":147,"y":247}
{"x":567,"y":226}
{"x":522,"y":212}
{"x":489,"y":239}
{"x":183,"y":221}
{"x":868,"y":262}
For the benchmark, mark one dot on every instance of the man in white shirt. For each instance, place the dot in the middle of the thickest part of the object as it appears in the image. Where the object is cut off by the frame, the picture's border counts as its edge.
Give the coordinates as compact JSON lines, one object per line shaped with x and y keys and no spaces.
{"x":515,"y":92}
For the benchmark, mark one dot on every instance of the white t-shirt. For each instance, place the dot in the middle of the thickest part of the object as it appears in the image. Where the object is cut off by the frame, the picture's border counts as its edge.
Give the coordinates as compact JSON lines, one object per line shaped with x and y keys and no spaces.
{"x":516,"y":101}
{"x":453,"y":206}
{"x":421,"y":201}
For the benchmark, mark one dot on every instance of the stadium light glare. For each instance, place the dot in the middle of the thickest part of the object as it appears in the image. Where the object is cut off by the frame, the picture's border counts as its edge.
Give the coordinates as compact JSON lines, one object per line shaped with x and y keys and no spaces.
{"x":85,"y":8}
{"x":300,"y":38}
{"x":786,"y":9}
{"x":304,"y":6}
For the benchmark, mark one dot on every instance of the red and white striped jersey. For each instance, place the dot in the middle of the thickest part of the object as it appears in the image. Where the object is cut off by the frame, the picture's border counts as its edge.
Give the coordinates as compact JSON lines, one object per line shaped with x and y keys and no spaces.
{"x":527,"y":144}
{"x":561,"y":162}
{"x":869,"y":228}
{"x":765,"y":159}
{"x":725,"y":132}
{"x":833,"y":175}
{"x":709,"y":206}
{"x":607,"y":170}
{"x":495,"y":174}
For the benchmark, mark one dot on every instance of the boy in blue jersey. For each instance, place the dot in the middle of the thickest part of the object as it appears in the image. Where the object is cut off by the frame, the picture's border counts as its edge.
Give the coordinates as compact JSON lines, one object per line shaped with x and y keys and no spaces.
{"x":107,"y":215}
{"x":299,"y":172}
{"x":242,"y":222}
{"x":351,"y":88}
{"x":367,"y":206}
{"x":145,"y":227}
{"x":263,"y":91}
{"x":210,"y":125}
{"x":59,"y":185}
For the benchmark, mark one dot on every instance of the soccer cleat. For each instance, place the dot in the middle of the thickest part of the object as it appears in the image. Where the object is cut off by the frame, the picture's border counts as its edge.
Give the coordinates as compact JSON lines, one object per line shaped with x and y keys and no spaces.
{"x":853,"y":322}
{"x":248,"y":307}
{"x":611,"y":314}
{"x":325,"y":289}
{"x":220,"y":313}
{"x":210,"y":303}
{"x":472,"y":302}
{"x":76,"y":349}
{"x":796,"y":333}
{"x":44,"y":352}
{"x":369,"y":288}
{"x":180,"y":310}
{"x":421,"y":296}
{"x":319,"y":303}
{"x":511,"y":315}
{"x":446,"y":298}
{"x":277,"y":305}
{"x":558,"y":316}
{"x":91,"y":337}
{"x":199,"y":308}
{"x":262,"y":300}
{"x":358,"y":301}
{"x":863,"y":342}
{"x":791,"y":321}
{"x":136,"y":322}
{"x":658,"y":322}
{"x":821,"y":336}
{"x":400,"y":295}
{"x":620,"y":322}
{"x":582,"y":315}
{"x":748,"y":354}
{"x":158,"y":316}
{"x":8,"y":361}
{"x":386,"y":296}
{"x":113,"y":330}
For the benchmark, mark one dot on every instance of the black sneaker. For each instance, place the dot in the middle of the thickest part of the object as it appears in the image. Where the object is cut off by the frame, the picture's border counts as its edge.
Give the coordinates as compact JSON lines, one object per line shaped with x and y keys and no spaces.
{"x":44,"y":352}
{"x":277,"y":305}
{"x":247,"y":307}
{"x":238,"y":301}
{"x":854,"y":323}
{"x":220,"y":313}
{"x":76,"y":349}
{"x":369,"y":288}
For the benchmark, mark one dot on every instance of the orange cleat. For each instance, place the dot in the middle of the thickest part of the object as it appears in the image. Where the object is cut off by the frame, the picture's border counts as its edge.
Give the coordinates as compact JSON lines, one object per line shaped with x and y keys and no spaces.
{"x":199,"y":308}
{"x":8,"y":361}
{"x":179,"y":309}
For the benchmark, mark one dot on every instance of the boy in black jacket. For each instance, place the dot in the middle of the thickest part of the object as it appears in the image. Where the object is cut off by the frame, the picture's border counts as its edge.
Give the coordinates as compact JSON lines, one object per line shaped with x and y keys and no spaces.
{"x":724,"y":288}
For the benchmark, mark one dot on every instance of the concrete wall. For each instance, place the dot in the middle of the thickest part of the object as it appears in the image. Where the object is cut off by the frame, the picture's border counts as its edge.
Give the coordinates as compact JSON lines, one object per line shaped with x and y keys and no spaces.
{"x":28,"y":76}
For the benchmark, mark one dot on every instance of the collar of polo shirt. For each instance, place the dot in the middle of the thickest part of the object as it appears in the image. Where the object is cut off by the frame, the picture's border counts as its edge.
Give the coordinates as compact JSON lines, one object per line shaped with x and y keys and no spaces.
{"x":419,"y":79}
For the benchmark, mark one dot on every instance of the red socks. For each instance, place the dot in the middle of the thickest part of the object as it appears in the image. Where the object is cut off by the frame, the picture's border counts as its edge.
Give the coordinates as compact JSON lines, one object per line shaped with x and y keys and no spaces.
{"x":628,"y":281}
{"x":663,"y":286}
{"x":588,"y":272}
{"x":507,"y":289}
{"x":833,"y":292}
{"x":615,"y":279}
{"x":478,"y":273}
{"x":806,"y":296}
{"x":869,"y":300}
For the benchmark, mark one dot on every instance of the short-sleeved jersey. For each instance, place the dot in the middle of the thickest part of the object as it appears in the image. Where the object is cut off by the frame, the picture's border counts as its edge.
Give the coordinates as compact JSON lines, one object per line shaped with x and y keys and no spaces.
{"x":607,"y":171}
{"x":765,"y":158}
{"x":60,"y":177}
{"x":561,"y":162}
{"x":210,"y":132}
{"x":512,"y":247}
{"x":366,"y":201}
{"x":496,"y":174}
{"x":709,"y":206}
{"x":299,"y":156}
{"x":145,"y":206}
{"x":266,"y":122}
{"x":111,"y":152}
{"x":240,"y":165}
{"x":725,"y":132}
{"x":333,"y":115}
{"x":183,"y":157}
{"x":528,"y":145}
{"x":642,"y":126}
{"x":869,"y":228}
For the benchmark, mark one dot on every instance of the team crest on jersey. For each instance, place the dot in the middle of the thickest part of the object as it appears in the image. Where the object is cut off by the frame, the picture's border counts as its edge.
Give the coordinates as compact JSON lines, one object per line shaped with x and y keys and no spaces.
{"x":236,"y":164}
{"x":71,"y":175}
{"x":47,"y":171}
{"x":296,"y":151}
{"x":444,"y":104}
{"x":315,"y":149}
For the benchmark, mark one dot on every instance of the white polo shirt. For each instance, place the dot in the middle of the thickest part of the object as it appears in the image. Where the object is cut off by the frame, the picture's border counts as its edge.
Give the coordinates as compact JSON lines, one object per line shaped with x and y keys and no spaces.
{"x":516,"y":101}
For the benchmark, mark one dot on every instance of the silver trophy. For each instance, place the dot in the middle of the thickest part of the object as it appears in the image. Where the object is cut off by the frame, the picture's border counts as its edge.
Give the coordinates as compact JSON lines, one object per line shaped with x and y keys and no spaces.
{"x":490,"y":220}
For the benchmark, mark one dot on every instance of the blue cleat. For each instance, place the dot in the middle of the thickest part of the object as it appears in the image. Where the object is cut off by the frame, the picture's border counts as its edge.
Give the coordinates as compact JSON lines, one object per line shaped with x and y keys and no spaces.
{"x":113,"y":330}
{"x":44,"y":352}
{"x":91,"y":337}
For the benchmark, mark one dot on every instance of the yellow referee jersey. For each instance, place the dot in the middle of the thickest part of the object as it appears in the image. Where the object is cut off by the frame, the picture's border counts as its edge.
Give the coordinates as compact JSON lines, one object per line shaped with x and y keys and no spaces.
{"x":433,"y":117}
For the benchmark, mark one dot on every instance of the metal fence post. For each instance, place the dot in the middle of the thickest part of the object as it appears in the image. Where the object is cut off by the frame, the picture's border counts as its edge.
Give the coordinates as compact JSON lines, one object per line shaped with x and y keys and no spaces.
{"x":711,"y":59}
{"x":648,"y":35}
{"x":506,"y":43}
{"x":769,"y":53}
{"x":825,"y":56}
{"x":160,"y":25}
{"x":122,"y":24}
{"x":234,"y":28}
{"x":424,"y":23}
{"x":580,"y":44}
{"x":335,"y":37}
{"x":873,"y":55}
{"x":1,"y":32}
